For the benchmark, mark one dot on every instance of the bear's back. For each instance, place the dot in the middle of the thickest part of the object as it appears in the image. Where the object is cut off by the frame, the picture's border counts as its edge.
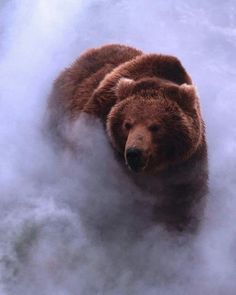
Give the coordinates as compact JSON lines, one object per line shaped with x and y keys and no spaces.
{"x":163,"y":67}
{"x":75,"y":85}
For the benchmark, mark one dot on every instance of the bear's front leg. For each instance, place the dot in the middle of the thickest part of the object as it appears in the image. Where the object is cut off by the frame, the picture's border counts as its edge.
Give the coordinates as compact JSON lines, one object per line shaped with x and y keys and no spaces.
{"x":182,"y":207}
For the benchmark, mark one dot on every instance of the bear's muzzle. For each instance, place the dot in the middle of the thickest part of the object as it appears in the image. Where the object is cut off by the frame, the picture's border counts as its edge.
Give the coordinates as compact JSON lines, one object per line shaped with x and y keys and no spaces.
{"x":134,"y":159}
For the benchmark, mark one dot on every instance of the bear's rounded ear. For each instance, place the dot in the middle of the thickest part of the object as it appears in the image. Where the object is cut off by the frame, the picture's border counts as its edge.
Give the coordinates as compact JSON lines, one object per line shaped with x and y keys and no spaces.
{"x":188,"y":96}
{"x":188,"y":89}
{"x":124,"y":88}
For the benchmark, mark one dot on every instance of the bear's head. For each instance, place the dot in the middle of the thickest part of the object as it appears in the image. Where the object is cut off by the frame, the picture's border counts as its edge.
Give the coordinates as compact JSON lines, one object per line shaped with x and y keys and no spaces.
{"x":154,"y":123}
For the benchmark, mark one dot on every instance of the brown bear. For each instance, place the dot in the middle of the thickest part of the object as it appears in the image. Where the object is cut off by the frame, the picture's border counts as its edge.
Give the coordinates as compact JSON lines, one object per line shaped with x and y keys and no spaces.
{"x":151,"y":113}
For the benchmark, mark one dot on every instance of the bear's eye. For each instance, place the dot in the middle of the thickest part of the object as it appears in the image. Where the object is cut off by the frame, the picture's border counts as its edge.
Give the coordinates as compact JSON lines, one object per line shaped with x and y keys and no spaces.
{"x":128,"y":125}
{"x":154,"y":127}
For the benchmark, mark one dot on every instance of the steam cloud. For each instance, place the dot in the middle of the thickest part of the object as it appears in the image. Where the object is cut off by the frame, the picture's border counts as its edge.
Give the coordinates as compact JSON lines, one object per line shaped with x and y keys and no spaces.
{"x":68,"y":227}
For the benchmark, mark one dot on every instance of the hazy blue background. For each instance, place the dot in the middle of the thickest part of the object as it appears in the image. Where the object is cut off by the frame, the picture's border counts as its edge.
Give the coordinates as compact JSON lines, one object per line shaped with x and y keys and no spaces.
{"x":66,"y":228}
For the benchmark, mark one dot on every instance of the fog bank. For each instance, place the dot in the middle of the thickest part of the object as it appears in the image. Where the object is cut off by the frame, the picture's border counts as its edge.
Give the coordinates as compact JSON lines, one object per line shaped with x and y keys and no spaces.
{"x":68,"y":227}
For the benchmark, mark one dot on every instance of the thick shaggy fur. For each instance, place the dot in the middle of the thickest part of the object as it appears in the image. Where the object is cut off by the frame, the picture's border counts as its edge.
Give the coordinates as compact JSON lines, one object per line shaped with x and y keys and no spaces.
{"x":146,"y":101}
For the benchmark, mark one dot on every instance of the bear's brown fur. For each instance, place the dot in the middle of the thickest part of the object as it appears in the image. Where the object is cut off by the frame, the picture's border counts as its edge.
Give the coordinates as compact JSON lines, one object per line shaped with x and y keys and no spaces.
{"x":151,"y":112}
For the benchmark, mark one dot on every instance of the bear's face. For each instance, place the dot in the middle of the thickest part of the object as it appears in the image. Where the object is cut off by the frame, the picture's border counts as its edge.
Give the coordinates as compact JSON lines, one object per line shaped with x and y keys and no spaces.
{"x":150,"y":128}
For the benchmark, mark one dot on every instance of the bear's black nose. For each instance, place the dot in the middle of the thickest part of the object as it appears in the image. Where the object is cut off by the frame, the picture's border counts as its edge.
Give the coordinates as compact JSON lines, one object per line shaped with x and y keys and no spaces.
{"x":134,"y":158}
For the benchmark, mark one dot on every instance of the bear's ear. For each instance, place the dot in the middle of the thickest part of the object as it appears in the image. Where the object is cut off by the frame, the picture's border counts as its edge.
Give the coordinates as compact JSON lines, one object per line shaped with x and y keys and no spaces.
{"x":188,"y":96}
{"x":187,"y":89}
{"x":184,"y":95}
{"x":124,"y":88}
{"x":106,"y":96}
